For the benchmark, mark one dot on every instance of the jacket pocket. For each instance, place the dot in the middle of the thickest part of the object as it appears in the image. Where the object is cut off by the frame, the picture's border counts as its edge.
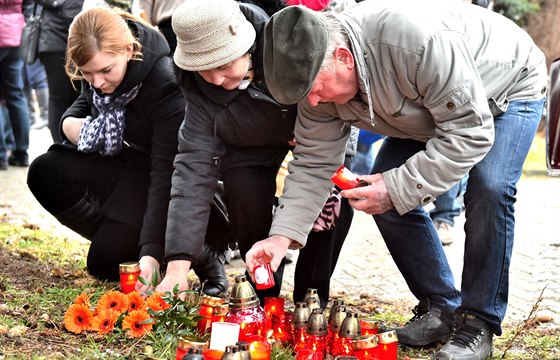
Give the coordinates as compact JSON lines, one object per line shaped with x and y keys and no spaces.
{"x":457,"y":110}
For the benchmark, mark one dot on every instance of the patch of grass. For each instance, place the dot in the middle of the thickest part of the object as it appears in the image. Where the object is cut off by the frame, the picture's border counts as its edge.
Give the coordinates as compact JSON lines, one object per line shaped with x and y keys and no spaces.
{"x":43,"y":245}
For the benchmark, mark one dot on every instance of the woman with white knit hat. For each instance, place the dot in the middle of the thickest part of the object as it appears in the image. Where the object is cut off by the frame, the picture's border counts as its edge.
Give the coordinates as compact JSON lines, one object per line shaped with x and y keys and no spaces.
{"x":233,"y":131}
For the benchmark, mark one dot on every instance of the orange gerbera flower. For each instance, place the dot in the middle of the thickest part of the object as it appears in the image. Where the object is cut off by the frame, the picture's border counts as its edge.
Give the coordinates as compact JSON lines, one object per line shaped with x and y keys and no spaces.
{"x":83,"y":298}
{"x":135,"y":301}
{"x":104,"y":321}
{"x":156,"y":302}
{"x":78,"y":318}
{"x":136,"y":324}
{"x":114,"y":300}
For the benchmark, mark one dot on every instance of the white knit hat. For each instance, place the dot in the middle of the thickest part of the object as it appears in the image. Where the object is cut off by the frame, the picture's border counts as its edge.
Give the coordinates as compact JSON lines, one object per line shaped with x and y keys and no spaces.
{"x":210,"y":33}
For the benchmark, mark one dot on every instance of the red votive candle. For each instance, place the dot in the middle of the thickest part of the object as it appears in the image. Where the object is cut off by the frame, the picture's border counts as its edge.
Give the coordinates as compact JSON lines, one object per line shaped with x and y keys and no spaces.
{"x":369,"y":326}
{"x":212,"y":354}
{"x":186,"y":343}
{"x":263,"y":277}
{"x":345,"y":179}
{"x":207,"y":305}
{"x":365,"y":347}
{"x":387,"y":345}
{"x":281,"y":327}
{"x":308,"y":354}
{"x":259,"y":350}
{"x":299,"y":337}
{"x":273,"y":305}
{"x":345,"y":346}
{"x":128,"y":273}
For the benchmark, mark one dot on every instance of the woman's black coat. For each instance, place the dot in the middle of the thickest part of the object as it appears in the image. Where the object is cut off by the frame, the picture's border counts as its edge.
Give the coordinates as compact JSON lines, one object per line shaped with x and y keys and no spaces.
{"x":222,"y":129}
{"x":152,"y":121}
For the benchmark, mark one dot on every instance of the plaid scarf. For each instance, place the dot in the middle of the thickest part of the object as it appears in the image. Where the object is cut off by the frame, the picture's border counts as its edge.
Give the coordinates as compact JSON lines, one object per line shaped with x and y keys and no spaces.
{"x":104,"y":134}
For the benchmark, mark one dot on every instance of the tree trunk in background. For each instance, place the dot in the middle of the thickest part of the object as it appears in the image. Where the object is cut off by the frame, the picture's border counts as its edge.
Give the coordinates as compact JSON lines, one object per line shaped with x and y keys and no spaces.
{"x":545,"y":29}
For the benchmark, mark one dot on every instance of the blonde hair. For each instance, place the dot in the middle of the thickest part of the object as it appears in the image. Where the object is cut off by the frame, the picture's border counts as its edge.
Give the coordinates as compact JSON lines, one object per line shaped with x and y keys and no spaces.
{"x":95,"y":30}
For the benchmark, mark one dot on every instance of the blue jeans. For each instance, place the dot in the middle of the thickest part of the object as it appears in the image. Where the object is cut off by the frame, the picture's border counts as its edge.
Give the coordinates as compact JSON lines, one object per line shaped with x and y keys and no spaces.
{"x":489,"y":228}
{"x":447,"y":206}
{"x":11,"y":80}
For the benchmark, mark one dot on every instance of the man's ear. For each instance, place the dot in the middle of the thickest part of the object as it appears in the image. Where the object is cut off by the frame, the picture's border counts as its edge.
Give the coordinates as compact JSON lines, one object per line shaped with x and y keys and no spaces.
{"x":344,"y":55}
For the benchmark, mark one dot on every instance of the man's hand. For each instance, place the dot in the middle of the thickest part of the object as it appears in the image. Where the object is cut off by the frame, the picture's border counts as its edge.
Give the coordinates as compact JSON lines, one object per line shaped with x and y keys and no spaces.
{"x":372,"y":199}
{"x":176,"y":274}
{"x":270,"y":250}
{"x":148,"y":265}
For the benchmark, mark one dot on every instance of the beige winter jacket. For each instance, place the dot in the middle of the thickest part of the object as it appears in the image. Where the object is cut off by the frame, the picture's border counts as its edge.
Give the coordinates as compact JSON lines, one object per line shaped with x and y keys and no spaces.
{"x":433,"y":71}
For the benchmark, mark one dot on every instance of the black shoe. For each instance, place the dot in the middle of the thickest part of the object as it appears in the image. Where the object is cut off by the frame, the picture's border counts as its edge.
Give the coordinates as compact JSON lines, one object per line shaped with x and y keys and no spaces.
{"x":471,"y":340}
{"x":19,"y":159}
{"x":429,"y":326}
{"x":211,"y":271}
{"x":3,"y":164}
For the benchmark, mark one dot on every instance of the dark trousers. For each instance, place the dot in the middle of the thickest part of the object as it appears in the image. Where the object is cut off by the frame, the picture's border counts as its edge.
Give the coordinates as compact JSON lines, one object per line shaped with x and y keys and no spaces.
{"x":61,"y":92}
{"x":250,"y":197}
{"x":317,"y":260}
{"x":59,"y":179}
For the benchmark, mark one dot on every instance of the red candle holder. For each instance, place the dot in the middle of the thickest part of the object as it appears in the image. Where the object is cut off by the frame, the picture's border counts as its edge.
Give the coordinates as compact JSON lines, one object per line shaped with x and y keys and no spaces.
{"x":219,"y":313}
{"x":128,"y":274}
{"x":317,"y":343}
{"x":207,"y":305}
{"x":212,"y":354}
{"x":299,"y":336}
{"x":187,"y":343}
{"x":345,"y":346}
{"x":251,"y":322}
{"x":281,"y":327}
{"x":365,"y":347}
{"x":259,"y":350}
{"x":369,"y":327}
{"x":388,"y":344}
{"x":273,"y":305}
{"x":307,"y":354}
{"x":263,"y":277}
{"x":346,"y":179}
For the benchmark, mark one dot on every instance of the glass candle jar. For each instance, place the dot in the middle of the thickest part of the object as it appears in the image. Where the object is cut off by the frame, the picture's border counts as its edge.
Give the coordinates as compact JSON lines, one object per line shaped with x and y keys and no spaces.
{"x":365,"y":347}
{"x":346,"y":179}
{"x":251,"y":322}
{"x":281,"y":327}
{"x":273,"y":305}
{"x":128,"y":275}
{"x":368,"y":327}
{"x":388,"y":344}
{"x":187,"y":343}
{"x":213,"y":354}
{"x":260,"y":350}
{"x":206,"y":310}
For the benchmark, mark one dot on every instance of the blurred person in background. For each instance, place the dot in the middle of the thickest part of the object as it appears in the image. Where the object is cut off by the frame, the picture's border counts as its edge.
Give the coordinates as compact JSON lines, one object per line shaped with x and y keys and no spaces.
{"x":11,"y":82}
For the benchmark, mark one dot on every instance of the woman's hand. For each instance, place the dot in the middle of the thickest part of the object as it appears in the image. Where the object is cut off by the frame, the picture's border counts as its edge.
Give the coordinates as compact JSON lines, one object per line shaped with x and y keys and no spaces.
{"x":176,"y":274}
{"x":148,"y":266}
{"x":71,"y":127}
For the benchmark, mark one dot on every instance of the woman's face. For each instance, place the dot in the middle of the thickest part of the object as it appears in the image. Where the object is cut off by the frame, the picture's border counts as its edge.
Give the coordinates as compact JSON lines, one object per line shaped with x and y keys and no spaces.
{"x":229,"y":75}
{"x":105,"y":70}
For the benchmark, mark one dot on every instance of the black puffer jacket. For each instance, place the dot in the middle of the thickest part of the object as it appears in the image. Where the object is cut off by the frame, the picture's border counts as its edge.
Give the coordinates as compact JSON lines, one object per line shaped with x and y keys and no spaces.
{"x":153,"y":118}
{"x":222,"y":129}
